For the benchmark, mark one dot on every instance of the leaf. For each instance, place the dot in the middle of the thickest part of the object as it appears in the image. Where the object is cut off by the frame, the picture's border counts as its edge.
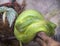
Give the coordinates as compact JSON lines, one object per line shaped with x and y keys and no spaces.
{"x":11,"y":14}
{"x":3,"y":9}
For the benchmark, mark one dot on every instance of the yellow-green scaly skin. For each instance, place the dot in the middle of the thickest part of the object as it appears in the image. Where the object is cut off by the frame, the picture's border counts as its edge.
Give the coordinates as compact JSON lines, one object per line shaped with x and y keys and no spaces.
{"x":28,"y":23}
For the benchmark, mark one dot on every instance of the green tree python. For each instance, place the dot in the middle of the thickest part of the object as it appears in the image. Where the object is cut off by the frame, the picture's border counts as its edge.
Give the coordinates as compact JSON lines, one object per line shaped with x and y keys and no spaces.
{"x":29,"y":23}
